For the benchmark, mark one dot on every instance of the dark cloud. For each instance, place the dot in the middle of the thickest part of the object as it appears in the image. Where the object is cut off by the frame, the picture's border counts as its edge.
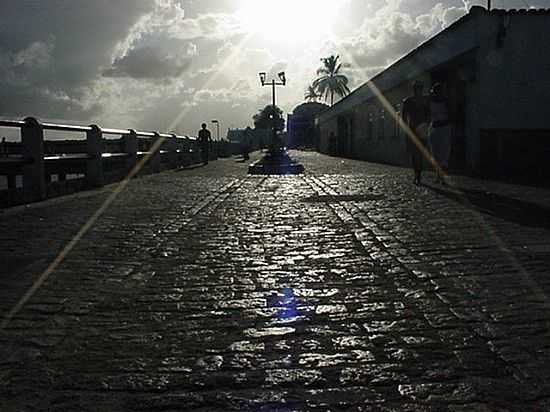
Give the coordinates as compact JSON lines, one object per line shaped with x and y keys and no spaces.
{"x":40,"y":102}
{"x":52,"y":51}
{"x":148,"y":63}
{"x":83,"y":33}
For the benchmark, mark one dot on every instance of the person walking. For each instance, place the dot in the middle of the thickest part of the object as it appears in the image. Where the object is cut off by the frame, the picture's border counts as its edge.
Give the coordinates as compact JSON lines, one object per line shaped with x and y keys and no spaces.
{"x":440,"y":133}
{"x":205,"y":138}
{"x":416,"y":114}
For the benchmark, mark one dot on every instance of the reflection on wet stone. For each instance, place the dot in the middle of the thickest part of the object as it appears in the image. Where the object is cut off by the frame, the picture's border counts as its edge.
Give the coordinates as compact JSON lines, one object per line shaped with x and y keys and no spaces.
{"x":325,"y":291}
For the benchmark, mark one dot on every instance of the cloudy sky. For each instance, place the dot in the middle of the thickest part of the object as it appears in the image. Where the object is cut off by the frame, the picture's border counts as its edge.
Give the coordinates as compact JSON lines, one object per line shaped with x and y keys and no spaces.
{"x":171,"y":64}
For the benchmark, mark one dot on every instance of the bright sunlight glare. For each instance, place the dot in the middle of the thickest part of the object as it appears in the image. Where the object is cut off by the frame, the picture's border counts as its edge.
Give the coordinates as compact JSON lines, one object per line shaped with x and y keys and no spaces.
{"x":289,"y":21}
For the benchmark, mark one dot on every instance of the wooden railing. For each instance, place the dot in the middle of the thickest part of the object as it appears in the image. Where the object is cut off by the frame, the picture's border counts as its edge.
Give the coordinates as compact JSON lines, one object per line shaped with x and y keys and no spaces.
{"x":98,"y":160}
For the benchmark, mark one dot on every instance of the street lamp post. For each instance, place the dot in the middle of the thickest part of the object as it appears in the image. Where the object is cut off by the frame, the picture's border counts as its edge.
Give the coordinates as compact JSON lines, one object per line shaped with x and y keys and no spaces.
{"x":276,"y":161}
{"x":217,"y":123}
{"x":273,"y":83}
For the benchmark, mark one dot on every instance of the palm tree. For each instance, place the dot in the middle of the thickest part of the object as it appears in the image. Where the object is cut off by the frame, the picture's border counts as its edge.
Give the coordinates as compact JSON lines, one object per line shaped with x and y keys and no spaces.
{"x":330,"y":80}
{"x":311,"y":94}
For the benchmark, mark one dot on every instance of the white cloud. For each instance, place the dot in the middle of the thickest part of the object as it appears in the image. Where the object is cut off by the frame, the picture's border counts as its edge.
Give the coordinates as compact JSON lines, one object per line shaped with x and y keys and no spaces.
{"x":38,"y":55}
{"x":390,"y":34}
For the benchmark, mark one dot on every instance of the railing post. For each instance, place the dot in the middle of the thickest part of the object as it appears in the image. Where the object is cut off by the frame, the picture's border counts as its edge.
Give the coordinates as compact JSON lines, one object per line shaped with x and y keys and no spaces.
{"x":94,"y":164}
{"x":188,"y":154}
{"x":130,"y":143}
{"x":34,"y":179}
{"x":155,"y":159}
{"x":197,"y":156}
{"x":173,"y":157}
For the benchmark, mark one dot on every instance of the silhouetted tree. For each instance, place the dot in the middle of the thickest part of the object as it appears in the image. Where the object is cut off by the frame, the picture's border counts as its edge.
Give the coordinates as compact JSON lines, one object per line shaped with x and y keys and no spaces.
{"x":311,"y":94}
{"x":263,"y":119}
{"x":331,"y":81}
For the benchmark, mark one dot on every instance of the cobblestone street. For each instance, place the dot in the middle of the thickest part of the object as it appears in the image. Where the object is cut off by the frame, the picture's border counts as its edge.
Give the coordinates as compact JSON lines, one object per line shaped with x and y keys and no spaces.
{"x":346,"y":288}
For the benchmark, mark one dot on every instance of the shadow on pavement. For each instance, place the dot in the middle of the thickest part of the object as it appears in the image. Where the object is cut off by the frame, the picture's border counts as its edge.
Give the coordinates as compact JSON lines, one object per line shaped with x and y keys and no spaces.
{"x":518,"y":211}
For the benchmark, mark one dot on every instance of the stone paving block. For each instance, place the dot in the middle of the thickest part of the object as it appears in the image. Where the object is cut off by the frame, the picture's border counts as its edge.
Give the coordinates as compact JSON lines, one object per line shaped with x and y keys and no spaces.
{"x":346,"y":288}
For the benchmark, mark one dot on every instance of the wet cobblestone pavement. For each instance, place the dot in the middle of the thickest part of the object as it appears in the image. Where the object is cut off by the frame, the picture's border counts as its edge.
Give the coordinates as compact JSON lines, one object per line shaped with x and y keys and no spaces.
{"x":347,"y":288}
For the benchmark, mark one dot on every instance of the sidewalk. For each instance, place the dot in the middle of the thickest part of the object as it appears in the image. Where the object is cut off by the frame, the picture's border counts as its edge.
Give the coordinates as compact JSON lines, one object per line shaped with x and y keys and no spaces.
{"x":347,"y":288}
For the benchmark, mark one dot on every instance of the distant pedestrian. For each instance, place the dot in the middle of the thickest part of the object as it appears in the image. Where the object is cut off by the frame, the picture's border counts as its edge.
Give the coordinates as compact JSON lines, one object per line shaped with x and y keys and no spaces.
{"x":205,"y":139}
{"x":440,"y":131}
{"x":4,"y":148}
{"x":416,"y":115}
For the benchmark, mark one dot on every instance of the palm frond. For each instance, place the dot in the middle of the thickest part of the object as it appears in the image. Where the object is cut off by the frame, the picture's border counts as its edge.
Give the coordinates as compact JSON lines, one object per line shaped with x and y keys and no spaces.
{"x":330,"y":80}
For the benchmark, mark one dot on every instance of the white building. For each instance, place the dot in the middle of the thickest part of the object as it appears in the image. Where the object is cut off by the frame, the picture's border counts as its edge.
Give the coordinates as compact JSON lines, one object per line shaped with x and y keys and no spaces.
{"x":496,"y":68}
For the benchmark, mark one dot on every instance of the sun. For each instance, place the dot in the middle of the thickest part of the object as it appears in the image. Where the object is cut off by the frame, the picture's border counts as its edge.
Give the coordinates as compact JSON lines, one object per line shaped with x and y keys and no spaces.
{"x":289,"y":21}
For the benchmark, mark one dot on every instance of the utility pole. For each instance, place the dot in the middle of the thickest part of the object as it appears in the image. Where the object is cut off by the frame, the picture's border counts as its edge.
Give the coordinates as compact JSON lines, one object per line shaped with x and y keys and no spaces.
{"x":489,"y":5}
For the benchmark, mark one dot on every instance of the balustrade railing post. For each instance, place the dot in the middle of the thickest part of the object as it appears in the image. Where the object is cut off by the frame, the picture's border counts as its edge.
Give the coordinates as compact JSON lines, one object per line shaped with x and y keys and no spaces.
{"x":173,"y":157}
{"x":130,"y":143}
{"x":94,"y":164}
{"x":188,"y":153}
{"x":32,"y":139}
{"x":197,"y":156}
{"x":155,"y":159}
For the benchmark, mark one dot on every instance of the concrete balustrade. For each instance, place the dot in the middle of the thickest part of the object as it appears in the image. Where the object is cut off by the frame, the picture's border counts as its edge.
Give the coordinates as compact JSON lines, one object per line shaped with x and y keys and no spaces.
{"x":100,"y":161}
{"x":155,"y":159}
{"x":34,"y":177}
{"x":94,"y":164}
{"x":173,"y":148}
{"x":130,"y":143}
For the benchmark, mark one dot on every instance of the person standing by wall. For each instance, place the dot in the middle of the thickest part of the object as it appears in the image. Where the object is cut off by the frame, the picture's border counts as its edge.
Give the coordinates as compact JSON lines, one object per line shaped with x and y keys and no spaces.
{"x":440,"y":131}
{"x":416,"y":114}
{"x":205,"y":138}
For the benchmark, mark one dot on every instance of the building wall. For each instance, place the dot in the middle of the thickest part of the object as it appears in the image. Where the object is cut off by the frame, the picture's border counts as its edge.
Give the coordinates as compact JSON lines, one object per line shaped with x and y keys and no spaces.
{"x":385,"y":144}
{"x":326,"y":127}
{"x":515,"y":75}
{"x":503,"y":60}
{"x":512,"y":80}
{"x":379,"y":135}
